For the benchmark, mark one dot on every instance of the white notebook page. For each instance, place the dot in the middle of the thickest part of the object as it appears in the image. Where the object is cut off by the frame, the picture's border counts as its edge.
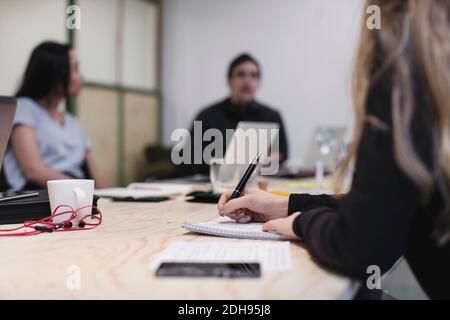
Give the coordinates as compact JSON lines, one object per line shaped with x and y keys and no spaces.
{"x":273,"y":256}
{"x":225,"y":227}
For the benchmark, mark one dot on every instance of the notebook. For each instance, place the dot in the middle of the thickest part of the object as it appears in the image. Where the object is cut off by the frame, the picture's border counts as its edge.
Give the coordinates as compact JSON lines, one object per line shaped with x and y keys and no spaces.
{"x":225,"y":227}
{"x":144,"y":190}
{"x":273,"y":256}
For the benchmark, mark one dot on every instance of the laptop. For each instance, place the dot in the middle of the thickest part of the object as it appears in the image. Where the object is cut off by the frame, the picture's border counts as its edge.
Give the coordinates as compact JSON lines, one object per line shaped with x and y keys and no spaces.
{"x":326,"y":145}
{"x":7,"y":111}
{"x":244,"y":151}
{"x":243,"y":146}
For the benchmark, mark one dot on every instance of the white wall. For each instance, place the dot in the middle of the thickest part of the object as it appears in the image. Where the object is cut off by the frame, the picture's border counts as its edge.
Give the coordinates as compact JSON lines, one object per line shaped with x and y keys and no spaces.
{"x":26,"y":23}
{"x":305,"y":47}
{"x":98,"y":37}
{"x":23,"y":25}
{"x":96,"y":40}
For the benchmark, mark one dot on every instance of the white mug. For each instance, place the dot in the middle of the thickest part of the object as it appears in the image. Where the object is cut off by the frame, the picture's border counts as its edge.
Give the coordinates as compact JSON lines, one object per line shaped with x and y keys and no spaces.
{"x":76,"y":193}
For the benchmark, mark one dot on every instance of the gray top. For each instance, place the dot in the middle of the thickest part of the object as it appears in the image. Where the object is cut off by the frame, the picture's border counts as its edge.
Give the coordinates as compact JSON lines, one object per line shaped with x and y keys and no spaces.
{"x":62,"y":147}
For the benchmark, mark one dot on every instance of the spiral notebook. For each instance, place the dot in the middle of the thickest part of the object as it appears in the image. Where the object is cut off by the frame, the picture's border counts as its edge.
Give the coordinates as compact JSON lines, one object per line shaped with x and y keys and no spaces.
{"x":225,"y":227}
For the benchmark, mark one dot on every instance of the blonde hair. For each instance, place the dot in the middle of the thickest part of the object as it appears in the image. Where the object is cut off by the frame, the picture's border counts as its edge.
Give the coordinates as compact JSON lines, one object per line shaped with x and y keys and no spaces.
{"x":414,"y":37}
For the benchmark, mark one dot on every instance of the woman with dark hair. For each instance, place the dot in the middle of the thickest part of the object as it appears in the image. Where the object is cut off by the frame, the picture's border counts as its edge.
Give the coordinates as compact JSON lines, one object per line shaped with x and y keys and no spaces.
{"x":398,"y":204}
{"x":48,"y":144}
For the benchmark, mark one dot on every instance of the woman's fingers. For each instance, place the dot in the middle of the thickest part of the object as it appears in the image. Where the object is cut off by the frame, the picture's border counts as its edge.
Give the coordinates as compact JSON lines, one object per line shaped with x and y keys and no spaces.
{"x":223,"y":200}
{"x":270,"y":226}
{"x":283,"y":226}
{"x":244,"y":219}
{"x":234,"y":205}
{"x":234,"y":215}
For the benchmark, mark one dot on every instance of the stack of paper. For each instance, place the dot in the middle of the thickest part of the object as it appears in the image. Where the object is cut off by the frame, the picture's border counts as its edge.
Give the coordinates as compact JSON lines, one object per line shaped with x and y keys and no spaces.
{"x":311,"y":186}
{"x":144,"y":190}
{"x":273,"y":256}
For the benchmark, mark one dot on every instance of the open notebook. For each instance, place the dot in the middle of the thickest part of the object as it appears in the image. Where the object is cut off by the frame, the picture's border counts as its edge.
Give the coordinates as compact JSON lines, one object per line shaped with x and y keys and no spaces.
{"x":225,"y":227}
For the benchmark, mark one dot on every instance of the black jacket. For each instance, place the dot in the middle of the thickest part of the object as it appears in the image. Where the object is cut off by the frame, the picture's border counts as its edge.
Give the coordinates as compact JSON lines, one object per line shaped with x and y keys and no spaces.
{"x":225,"y":115}
{"x":384,"y":216}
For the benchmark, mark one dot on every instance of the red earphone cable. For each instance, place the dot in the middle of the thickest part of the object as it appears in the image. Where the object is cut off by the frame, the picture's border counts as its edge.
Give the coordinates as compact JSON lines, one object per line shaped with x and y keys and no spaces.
{"x":46,"y":225}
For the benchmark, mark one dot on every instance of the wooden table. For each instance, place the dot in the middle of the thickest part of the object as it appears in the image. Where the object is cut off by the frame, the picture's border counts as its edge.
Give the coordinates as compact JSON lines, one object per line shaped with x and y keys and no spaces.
{"x":113,"y":261}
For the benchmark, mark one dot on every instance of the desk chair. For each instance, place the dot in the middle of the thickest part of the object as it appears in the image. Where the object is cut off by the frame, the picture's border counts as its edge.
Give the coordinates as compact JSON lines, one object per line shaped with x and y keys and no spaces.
{"x":158,"y":164}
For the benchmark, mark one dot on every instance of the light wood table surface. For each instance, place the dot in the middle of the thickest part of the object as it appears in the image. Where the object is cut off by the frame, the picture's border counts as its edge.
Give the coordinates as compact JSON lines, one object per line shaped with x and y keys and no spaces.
{"x":113,"y":261}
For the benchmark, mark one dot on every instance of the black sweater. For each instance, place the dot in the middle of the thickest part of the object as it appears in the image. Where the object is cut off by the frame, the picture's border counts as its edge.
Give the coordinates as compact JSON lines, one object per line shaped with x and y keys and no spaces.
{"x":383,"y":217}
{"x":225,"y":115}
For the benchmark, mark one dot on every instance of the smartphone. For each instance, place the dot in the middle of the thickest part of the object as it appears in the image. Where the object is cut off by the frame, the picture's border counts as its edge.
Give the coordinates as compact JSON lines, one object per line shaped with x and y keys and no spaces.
{"x":203,"y":197}
{"x":217,"y":270}
{"x":14,"y":195}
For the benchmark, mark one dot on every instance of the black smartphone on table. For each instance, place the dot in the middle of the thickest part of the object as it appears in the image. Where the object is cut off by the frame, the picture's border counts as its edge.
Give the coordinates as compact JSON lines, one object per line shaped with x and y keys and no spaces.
{"x":217,"y":270}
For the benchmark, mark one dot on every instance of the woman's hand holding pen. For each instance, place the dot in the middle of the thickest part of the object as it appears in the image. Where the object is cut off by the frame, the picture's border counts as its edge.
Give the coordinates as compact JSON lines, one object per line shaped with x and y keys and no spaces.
{"x":260,"y":206}
{"x":253,"y":205}
{"x":245,"y":205}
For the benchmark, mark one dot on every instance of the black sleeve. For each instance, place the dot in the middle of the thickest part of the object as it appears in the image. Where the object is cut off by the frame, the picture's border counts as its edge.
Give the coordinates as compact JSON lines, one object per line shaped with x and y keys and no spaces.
{"x":369,"y":226}
{"x":304,"y":202}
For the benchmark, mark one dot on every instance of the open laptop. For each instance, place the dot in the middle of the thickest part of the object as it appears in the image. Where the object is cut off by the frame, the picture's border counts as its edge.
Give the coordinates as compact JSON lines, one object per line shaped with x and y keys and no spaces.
{"x":7,"y":111}
{"x":243,"y":147}
{"x":243,"y":152}
{"x":326,"y":145}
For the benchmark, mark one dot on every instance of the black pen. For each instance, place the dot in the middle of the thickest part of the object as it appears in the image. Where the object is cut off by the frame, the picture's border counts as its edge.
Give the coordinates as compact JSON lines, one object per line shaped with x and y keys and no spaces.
{"x":248,"y":173}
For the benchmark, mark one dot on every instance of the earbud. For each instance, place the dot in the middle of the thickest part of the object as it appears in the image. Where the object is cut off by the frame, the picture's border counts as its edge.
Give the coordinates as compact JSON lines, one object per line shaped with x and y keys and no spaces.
{"x":68,"y":225}
{"x":43,"y":229}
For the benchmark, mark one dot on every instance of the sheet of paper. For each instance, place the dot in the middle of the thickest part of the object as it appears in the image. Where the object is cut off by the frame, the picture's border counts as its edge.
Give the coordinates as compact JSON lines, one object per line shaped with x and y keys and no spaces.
{"x":143,"y":190}
{"x":127,"y":192}
{"x":310,"y":186}
{"x":169,"y":188}
{"x":273,"y":256}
